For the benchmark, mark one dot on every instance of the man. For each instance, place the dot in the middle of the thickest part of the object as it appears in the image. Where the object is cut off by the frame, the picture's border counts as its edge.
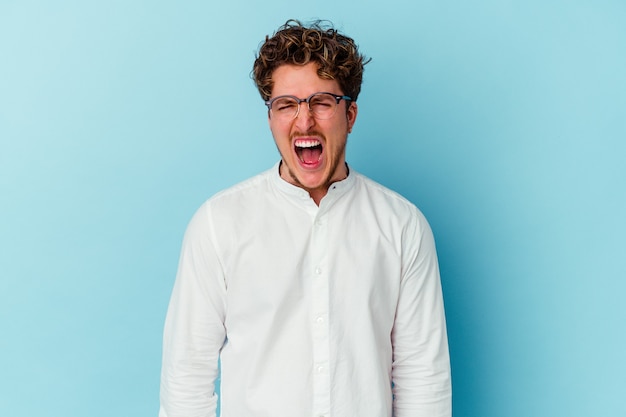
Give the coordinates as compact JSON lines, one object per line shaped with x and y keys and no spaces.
{"x":317,"y":288}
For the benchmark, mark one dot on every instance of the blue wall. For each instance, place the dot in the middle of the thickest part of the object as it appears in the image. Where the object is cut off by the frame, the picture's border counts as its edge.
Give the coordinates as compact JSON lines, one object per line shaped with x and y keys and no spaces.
{"x":505,"y":121}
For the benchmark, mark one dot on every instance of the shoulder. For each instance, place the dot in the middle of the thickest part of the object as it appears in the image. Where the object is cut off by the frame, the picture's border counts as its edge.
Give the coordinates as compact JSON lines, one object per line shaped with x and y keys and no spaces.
{"x":238,"y":200}
{"x":386,"y":200}
{"x":257,"y":184}
{"x":241,"y":193}
{"x":394,"y":217}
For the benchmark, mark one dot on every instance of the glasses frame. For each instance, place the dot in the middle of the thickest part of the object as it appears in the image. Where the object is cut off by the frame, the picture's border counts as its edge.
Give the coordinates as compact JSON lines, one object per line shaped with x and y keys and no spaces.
{"x":307,"y":100}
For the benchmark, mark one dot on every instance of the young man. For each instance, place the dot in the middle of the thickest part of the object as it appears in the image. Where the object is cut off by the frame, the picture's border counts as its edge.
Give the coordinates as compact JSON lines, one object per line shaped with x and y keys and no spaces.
{"x":317,"y":288}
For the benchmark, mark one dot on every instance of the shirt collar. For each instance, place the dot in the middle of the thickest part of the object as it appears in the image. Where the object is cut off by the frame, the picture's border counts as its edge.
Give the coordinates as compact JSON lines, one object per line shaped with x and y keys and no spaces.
{"x":336,"y":189}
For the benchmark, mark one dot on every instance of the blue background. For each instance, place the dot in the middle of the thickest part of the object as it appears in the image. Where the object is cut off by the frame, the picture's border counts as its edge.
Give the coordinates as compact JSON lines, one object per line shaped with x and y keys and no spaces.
{"x":504,"y":121}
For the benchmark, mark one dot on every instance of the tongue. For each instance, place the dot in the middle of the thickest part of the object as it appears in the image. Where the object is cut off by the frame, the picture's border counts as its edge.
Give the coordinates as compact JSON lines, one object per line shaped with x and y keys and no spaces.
{"x":311,"y":155}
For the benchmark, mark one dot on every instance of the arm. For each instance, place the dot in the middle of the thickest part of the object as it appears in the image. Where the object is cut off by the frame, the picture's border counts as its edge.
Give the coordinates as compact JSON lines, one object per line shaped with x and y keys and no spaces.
{"x":194,"y":328}
{"x":421,"y":364}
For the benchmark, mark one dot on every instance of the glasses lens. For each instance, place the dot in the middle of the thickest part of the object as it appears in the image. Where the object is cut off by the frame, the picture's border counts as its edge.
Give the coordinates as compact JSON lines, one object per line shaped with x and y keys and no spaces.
{"x":323,"y":105}
{"x":284,"y":108}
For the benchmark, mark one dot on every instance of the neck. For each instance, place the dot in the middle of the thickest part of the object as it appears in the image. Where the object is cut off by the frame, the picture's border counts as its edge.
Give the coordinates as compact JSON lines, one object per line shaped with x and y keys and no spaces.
{"x":318,"y":193}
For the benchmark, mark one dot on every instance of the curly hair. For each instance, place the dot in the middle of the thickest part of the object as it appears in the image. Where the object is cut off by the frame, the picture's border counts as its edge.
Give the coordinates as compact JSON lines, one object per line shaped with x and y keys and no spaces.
{"x":293,"y":43}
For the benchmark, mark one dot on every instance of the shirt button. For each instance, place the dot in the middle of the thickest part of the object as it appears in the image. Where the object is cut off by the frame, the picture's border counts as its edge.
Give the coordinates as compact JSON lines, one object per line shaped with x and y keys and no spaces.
{"x":318,"y":270}
{"x":320,"y":369}
{"x":320,"y":320}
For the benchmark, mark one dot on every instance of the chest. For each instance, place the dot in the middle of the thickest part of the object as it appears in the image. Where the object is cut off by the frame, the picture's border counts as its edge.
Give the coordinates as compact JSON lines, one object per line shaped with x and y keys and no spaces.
{"x":349,"y":266}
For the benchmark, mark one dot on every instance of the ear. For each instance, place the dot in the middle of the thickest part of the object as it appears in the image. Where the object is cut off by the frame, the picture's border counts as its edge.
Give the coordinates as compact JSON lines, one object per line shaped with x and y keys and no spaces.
{"x":353,"y":110}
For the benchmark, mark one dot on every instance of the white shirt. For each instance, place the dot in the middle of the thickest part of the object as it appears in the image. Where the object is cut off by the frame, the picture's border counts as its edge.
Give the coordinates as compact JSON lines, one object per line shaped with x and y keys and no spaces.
{"x":331,"y":311}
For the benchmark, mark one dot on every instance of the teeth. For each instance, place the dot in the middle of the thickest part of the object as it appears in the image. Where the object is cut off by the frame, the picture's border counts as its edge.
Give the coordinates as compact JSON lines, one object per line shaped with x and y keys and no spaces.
{"x":307,"y":143}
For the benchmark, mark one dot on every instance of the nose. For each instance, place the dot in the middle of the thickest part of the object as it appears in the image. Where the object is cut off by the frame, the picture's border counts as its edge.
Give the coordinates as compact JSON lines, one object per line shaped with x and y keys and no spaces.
{"x":304,"y":117}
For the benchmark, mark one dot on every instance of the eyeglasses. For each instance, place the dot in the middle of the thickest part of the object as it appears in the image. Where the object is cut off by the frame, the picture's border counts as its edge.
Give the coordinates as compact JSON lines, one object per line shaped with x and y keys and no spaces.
{"x":321,"y":105}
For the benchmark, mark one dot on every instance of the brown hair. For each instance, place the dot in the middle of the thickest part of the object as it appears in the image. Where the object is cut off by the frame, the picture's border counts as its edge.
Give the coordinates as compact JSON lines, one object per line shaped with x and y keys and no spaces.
{"x":293,"y":43}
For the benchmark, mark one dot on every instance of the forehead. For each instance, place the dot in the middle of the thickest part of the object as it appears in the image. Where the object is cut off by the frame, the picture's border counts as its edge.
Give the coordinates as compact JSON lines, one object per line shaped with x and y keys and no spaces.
{"x":301,"y":81}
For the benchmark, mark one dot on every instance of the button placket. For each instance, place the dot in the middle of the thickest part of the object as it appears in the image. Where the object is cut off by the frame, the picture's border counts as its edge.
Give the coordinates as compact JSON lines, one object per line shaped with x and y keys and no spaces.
{"x":319,"y":317}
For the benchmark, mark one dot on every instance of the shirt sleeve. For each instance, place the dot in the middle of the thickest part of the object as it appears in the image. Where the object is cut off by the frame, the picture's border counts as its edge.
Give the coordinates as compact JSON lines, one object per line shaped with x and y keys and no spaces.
{"x":421,"y":364}
{"x":194,"y":327}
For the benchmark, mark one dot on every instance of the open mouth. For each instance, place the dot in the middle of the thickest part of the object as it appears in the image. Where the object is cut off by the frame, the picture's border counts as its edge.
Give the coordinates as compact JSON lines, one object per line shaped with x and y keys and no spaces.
{"x":309,"y":151}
